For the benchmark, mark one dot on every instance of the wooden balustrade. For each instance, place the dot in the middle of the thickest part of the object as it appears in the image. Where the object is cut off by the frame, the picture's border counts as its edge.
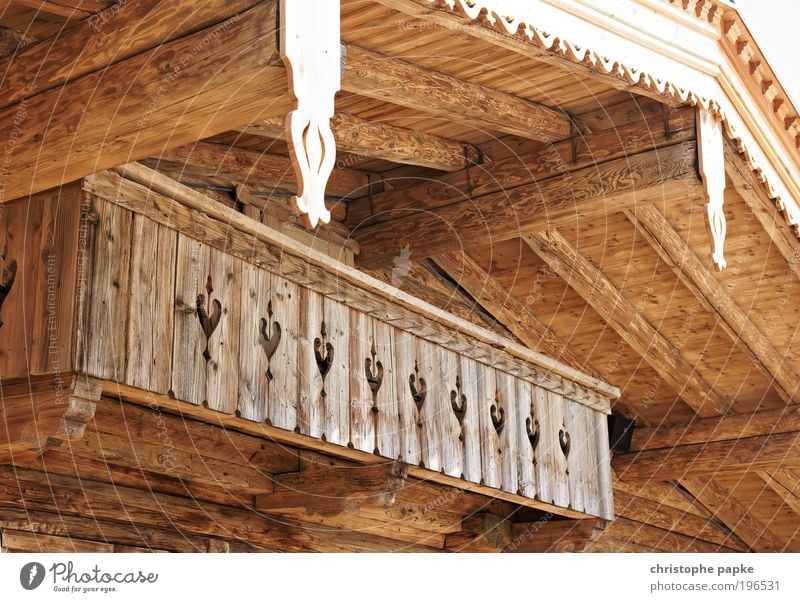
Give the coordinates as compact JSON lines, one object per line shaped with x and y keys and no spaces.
{"x":134,"y":290}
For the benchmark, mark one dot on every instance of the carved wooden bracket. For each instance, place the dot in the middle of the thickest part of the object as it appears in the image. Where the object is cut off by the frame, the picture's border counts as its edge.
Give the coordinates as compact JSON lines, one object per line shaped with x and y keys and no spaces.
{"x":31,"y":424}
{"x":7,"y":281}
{"x":310,"y":49}
{"x":208,"y":323}
{"x":324,"y":362}
{"x":711,"y":163}
{"x":269,"y":342}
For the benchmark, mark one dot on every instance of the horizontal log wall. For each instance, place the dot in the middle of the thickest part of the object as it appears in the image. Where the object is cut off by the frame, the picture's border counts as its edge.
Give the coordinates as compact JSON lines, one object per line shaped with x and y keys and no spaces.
{"x":165,"y":312}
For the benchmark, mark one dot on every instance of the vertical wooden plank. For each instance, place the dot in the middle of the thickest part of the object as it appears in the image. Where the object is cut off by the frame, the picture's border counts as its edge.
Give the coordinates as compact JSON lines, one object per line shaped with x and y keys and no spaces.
{"x":448,"y":425}
{"x":188,"y":363}
{"x":551,"y":469}
{"x":362,"y":420}
{"x":22,"y":242}
{"x":591,"y":492}
{"x":427,"y":360}
{"x":222,"y":374}
{"x":150,"y":314}
{"x":507,"y":396}
{"x":104,"y":345}
{"x":573,"y":426}
{"x":53,"y":322}
{"x":283,"y":390}
{"x":311,"y":416}
{"x":525,"y":454}
{"x":254,"y":381}
{"x":490,"y":442}
{"x":387,"y":399}
{"x":405,"y":346}
{"x":337,"y":381}
{"x":471,"y":425}
{"x":603,"y":459}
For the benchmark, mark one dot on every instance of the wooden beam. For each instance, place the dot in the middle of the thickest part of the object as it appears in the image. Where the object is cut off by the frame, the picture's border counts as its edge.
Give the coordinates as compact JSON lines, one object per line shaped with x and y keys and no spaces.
{"x":131,"y":506}
{"x":563,"y":199}
{"x":58,"y":9}
{"x":672,"y":249}
{"x":400,"y":82}
{"x":623,"y":531}
{"x":167,"y":96}
{"x":334,"y":490}
{"x":255,"y":169}
{"x":688,"y":461}
{"x":106,"y":38}
{"x":786,"y":485}
{"x":763,"y":207}
{"x":721,"y":503}
{"x":598,"y":291}
{"x":725,"y":428}
{"x":642,"y":133}
{"x":551,"y":535}
{"x":512,"y":314}
{"x":482,"y":532}
{"x":383,"y":141}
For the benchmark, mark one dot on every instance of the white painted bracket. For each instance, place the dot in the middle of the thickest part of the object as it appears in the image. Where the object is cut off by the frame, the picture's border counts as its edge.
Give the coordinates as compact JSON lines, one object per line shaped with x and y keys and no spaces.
{"x":310,"y":49}
{"x":711,"y":162}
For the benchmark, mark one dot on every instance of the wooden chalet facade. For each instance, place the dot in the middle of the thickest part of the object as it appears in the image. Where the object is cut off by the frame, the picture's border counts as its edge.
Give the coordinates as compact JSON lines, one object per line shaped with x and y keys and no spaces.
{"x":396,"y":275}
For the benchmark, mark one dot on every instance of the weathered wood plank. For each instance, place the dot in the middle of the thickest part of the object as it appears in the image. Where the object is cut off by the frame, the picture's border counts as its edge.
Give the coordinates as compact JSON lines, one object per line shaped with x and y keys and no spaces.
{"x":224,"y":277}
{"x":387,"y":399}
{"x":151,"y":308}
{"x":429,"y":381}
{"x":101,"y":336}
{"x":189,"y":343}
{"x":256,"y":332}
{"x":411,"y":445}
{"x":491,"y":461}
{"x":509,"y":441}
{"x":528,"y":436}
{"x":362,"y":406}
{"x":53,"y":316}
{"x":23,"y":234}
{"x":471,"y":425}
{"x":336,"y":402}
{"x":310,"y":409}
{"x":448,"y":426}
{"x":551,"y":469}
{"x":285,"y":395}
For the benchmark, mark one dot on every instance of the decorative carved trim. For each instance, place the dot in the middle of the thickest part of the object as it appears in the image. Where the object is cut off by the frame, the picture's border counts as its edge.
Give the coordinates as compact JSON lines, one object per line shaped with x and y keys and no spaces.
{"x":486,"y":11}
{"x":711,"y":164}
{"x":310,"y":49}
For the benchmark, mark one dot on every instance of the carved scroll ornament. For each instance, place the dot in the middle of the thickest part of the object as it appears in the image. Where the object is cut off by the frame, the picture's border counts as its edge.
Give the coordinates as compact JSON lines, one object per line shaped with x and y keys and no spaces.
{"x":310,"y":48}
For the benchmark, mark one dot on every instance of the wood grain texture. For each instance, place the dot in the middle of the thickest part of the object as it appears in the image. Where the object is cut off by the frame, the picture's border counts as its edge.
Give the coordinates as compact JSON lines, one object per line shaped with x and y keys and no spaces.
{"x":385,"y":141}
{"x":689,"y":461}
{"x":105,"y":39}
{"x":401,"y":82}
{"x":733,"y":514}
{"x":591,"y":284}
{"x":672,"y":249}
{"x":107,"y":117}
{"x":499,"y":216}
{"x":256,"y":169}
